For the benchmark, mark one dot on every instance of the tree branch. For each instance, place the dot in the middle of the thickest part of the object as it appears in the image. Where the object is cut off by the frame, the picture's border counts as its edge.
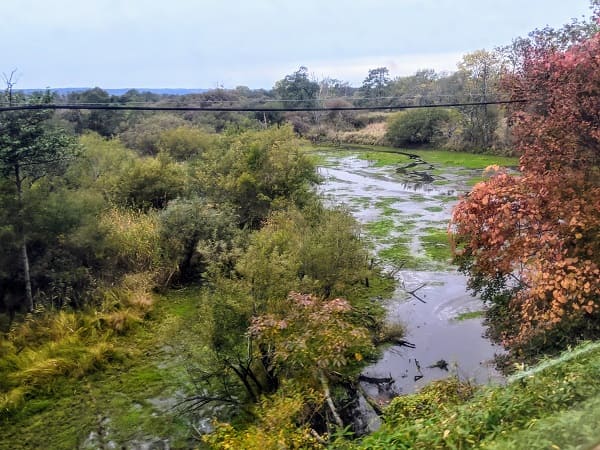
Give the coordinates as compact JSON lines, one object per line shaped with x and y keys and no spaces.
{"x":328,"y":399}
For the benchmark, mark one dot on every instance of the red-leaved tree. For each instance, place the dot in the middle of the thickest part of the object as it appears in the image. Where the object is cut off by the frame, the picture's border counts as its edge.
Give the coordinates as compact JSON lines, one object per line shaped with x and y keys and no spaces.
{"x":532,"y":241}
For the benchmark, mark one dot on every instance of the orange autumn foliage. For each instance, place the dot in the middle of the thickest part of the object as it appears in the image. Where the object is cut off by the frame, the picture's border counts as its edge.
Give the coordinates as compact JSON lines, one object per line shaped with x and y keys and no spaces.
{"x":539,"y":231}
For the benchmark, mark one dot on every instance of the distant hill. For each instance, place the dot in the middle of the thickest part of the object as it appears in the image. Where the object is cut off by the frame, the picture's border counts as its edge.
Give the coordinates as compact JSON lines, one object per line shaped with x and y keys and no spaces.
{"x":121,"y":91}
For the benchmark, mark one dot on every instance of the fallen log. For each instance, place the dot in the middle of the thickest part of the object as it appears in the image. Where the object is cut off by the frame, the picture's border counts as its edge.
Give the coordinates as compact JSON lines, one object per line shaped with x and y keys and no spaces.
{"x":403,"y":343}
{"x":441,"y":364}
{"x":375,"y":380}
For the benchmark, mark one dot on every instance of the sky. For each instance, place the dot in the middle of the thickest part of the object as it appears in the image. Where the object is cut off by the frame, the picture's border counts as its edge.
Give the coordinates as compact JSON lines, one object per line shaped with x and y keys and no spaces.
{"x":254,"y":43}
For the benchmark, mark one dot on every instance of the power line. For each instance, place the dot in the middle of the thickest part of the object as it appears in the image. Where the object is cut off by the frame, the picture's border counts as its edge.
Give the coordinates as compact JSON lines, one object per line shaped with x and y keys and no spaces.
{"x":469,"y":95}
{"x":85,"y":106}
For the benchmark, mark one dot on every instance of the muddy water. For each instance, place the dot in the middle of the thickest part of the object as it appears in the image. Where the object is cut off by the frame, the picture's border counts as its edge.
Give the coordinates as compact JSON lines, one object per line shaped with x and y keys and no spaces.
{"x":374,"y":193}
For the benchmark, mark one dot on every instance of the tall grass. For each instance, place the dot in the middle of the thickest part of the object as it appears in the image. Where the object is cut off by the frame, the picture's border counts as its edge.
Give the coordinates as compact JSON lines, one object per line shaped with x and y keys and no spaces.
{"x":40,"y":353}
{"x":48,"y":347}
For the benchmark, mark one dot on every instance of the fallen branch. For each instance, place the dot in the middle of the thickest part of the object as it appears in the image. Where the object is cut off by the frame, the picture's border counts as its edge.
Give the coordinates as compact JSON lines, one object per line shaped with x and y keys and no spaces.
{"x":397,"y":269}
{"x":403,"y":343}
{"x":372,"y":403}
{"x":415,"y":295}
{"x":375,"y":380}
{"x":197,"y":402}
{"x":441,"y":364}
{"x":318,"y":437}
{"x":336,"y":416}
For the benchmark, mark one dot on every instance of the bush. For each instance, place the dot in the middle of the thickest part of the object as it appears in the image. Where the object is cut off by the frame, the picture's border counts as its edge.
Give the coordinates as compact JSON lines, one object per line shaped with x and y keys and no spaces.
{"x":196,"y":234}
{"x":432,"y":399}
{"x":421,"y":127}
{"x":324,"y":255}
{"x":144,"y":136}
{"x":185,"y":142}
{"x":372,"y":134}
{"x":151,"y":183}
{"x":276,"y":428}
{"x":257,"y":171}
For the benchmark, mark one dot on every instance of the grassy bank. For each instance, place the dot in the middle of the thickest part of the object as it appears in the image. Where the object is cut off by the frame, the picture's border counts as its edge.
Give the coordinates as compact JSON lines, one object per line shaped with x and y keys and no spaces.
{"x":386,"y":156}
{"x":556,"y":406}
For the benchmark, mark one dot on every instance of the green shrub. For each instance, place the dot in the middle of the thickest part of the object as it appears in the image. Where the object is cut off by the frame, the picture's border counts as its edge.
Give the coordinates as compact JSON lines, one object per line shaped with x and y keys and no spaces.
{"x":185,"y":142}
{"x":277,"y":427}
{"x":421,"y":127}
{"x":433,"y":398}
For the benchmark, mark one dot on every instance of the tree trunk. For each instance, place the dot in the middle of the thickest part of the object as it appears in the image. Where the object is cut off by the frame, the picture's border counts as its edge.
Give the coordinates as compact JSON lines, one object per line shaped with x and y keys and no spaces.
{"x":243,"y":376}
{"x":25,"y":262}
{"x":272,"y":380}
{"x":21,"y":229}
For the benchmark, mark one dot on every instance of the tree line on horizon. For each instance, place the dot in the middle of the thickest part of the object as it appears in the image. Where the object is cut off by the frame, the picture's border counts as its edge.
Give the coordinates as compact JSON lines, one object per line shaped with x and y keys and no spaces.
{"x":470,"y":128}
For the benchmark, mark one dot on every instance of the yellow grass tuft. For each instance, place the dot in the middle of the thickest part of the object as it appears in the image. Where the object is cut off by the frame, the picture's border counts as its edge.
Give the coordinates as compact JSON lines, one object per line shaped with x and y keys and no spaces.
{"x":12,"y":399}
{"x":122,"y":320}
{"x":44,"y":371}
{"x":372,"y":134}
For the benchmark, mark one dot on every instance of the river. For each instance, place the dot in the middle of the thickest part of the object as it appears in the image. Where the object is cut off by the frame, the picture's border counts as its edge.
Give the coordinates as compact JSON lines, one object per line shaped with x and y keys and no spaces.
{"x":432,"y":318}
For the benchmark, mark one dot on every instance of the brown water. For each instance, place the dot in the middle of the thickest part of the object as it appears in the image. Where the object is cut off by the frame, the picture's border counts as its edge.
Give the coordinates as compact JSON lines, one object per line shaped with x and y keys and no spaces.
{"x":431,"y":324}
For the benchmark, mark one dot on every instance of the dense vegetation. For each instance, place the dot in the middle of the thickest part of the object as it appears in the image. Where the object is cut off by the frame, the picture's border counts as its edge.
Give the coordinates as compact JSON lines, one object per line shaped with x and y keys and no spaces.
{"x":106,"y":216}
{"x":101,"y":229}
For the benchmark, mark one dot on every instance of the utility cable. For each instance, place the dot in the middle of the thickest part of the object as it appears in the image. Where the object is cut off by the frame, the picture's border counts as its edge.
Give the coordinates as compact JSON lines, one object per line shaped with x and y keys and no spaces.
{"x":116,"y":107}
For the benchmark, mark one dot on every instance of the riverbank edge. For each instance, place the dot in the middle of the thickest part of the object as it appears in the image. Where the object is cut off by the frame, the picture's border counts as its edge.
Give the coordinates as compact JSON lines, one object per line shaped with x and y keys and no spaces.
{"x":555,"y":404}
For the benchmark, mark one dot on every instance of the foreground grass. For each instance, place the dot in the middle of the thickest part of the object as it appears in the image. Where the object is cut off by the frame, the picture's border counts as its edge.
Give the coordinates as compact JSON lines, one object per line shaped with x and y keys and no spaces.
{"x":126,"y":399}
{"x":556,"y":407}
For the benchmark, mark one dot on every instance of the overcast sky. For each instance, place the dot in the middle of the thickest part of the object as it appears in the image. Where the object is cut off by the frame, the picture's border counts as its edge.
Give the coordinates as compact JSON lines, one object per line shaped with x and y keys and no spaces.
{"x":205,"y":43}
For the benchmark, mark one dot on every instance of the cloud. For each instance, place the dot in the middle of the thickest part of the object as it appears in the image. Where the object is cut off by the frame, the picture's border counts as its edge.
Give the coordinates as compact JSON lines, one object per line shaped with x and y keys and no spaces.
{"x":199,"y":43}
